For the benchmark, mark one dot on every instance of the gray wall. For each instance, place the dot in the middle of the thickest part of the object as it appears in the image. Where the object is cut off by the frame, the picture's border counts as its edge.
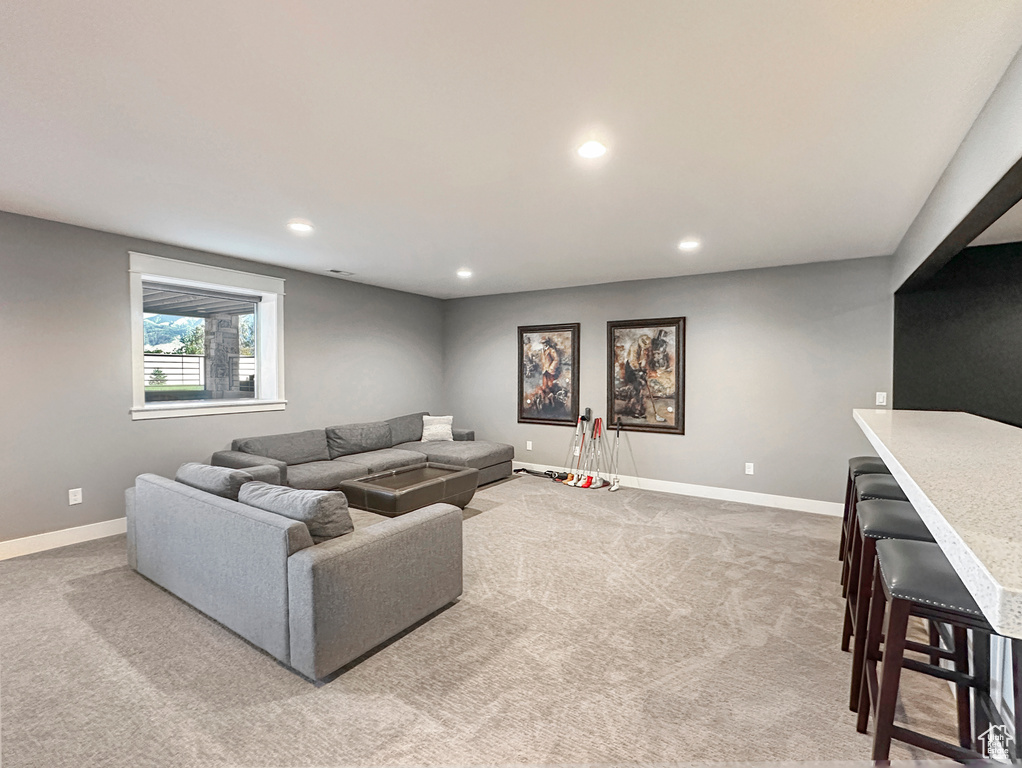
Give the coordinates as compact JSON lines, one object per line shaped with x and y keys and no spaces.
{"x":353,"y":353}
{"x":990,"y":148}
{"x":776,"y":360}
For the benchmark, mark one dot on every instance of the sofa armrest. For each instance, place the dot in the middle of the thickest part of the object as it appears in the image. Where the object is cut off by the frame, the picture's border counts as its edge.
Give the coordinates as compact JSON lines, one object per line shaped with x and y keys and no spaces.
{"x":267,"y":473}
{"x":464,"y":434}
{"x":241,"y":460}
{"x":129,"y":518}
{"x":225,"y":558}
{"x":349,"y":594}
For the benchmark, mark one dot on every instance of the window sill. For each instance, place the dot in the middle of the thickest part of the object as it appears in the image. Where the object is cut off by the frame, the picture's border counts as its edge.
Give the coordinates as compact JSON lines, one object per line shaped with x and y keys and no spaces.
{"x":205,"y":408}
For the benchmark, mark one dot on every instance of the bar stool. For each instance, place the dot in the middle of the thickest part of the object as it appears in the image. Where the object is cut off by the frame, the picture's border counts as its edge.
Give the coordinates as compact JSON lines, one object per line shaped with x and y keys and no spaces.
{"x":857,"y":465}
{"x":913,"y":578}
{"x":876,"y":486}
{"x":878,"y":519}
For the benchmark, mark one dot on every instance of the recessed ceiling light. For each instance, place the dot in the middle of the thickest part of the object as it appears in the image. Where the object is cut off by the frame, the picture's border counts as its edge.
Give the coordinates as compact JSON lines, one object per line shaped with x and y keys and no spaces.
{"x":592,"y":149}
{"x":300,"y":226}
{"x":689,"y":244}
{"x":463,"y":273}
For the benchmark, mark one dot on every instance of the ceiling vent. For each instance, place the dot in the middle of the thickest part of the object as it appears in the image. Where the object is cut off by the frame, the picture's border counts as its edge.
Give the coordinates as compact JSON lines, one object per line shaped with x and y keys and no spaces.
{"x":341,"y":272}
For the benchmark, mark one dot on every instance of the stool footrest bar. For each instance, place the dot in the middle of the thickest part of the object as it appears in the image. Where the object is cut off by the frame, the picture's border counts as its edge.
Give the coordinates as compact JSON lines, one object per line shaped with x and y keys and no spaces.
{"x":931,"y":744}
{"x":929,"y":650}
{"x":944,"y":674}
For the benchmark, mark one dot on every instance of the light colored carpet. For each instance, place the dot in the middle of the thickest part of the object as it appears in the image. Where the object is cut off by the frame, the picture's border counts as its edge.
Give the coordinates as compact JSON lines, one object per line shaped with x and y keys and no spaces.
{"x":625,"y":628}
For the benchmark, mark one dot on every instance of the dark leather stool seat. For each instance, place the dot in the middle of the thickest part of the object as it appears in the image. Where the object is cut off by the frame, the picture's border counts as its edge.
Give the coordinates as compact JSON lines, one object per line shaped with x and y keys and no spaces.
{"x":864,"y":487}
{"x":914,"y":578}
{"x":867,"y":465}
{"x":919,"y":572}
{"x":877,"y":519}
{"x":878,"y":487}
{"x":890,"y":519}
{"x":857,"y":465}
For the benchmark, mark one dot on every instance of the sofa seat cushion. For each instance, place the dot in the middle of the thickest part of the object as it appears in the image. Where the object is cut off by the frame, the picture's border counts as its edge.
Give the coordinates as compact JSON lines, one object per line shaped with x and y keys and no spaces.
{"x":406,"y":429}
{"x":363,"y":518}
{"x":325,"y":513}
{"x":477,"y":454}
{"x":322,"y":475}
{"x":291,"y":447}
{"x":380,"y":461}
{"x":347,"y":439}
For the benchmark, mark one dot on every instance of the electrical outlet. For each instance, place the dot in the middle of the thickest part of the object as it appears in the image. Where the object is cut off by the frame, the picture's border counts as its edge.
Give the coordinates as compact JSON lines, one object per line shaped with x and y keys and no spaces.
{"x":881,"y":398}
{"x":74,"y":496}
{"x":749,"y":468}
{"x":528,"y":445}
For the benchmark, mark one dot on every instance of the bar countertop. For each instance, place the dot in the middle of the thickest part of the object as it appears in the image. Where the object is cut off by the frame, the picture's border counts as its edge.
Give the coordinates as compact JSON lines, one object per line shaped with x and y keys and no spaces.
{"x":963,"y":474}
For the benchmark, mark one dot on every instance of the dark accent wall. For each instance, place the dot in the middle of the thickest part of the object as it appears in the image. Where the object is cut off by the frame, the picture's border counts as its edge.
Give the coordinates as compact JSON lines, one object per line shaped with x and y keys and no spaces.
{"x":958,"y":338}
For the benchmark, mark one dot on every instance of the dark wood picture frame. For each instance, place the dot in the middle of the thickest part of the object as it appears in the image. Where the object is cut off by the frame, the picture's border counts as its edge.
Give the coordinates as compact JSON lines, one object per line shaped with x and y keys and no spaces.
{"x":646,"y":374}
{"x":548,"y":374}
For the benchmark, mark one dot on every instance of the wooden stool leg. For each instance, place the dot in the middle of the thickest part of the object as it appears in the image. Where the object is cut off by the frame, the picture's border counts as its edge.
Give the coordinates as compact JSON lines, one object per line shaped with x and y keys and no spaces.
{"x":853,"y":575}
{"x":853,"y":523}
{"x":935,"y":642}
{"x":962,"y":690}
{"x":1016,"y":689}
{"x":867,"y":563}
{"x":872,"y":655}
{"x":895,"y":630}
{"x":844,"y":518}
{"x":981,"y":671}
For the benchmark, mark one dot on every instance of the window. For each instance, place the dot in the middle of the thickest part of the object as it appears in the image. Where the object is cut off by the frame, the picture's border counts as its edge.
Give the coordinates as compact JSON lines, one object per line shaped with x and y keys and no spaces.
{"x":205,"y":340}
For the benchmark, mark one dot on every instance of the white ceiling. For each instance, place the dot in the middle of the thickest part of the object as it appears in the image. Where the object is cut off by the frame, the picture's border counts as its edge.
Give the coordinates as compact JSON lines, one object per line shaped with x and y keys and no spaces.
{"x":421,"y":137}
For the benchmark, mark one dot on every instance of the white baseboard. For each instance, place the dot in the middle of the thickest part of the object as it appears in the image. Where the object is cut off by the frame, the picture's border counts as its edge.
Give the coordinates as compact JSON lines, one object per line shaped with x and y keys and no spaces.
{"x":832,"y":508}
{"x":54,"y":539}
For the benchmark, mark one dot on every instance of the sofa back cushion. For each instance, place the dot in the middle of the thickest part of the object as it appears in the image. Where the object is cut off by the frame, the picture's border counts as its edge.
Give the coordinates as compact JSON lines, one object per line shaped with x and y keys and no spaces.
{"x":291,"y":447}
{"x":347,"y":439}
{"x":406,"y":429}
{"x":325,"y":513}
{"x":220,"y":481}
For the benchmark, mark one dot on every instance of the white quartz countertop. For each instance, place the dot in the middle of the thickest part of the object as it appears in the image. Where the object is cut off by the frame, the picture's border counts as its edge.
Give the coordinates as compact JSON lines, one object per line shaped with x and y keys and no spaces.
{"x":963,"y":474}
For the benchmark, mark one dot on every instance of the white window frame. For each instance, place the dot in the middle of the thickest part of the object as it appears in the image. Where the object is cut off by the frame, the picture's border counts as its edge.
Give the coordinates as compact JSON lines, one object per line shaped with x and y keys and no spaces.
{"x":269,"y":395}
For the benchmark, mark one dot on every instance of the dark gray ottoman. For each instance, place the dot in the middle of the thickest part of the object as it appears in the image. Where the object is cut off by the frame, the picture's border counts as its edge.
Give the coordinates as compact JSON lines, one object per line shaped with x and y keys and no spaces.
{"x":397,"y":491}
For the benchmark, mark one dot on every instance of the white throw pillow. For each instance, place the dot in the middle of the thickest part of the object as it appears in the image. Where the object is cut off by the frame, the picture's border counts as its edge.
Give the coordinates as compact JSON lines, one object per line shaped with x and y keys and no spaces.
{"x":437,"y":428}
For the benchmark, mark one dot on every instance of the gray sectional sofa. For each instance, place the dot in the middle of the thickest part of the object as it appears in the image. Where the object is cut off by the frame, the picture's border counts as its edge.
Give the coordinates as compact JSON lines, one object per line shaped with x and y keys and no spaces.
{"x":315,"y":607}
{"x":321,"y":459}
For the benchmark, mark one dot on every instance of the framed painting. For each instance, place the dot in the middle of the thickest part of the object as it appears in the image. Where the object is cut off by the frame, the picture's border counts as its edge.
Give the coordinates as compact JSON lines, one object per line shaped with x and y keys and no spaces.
{"x":548,"y":374}
{"x":646,"y":375}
